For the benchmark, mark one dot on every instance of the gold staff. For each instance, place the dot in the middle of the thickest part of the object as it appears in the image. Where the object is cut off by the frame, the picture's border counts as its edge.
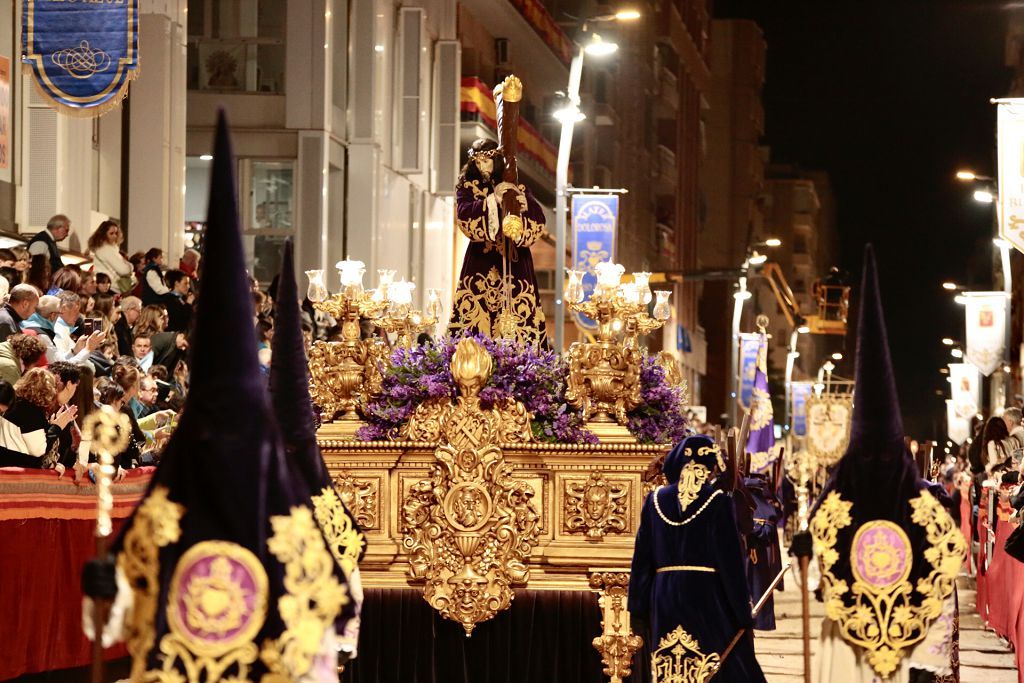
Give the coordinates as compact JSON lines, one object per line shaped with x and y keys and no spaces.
{"x":109,"y":432}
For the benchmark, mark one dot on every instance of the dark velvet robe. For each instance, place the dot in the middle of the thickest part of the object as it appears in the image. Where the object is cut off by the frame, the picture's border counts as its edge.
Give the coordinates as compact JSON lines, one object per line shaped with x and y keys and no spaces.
{"x":764,"y":557}
{"x":497,"y":275}
{"x":711,"y":607}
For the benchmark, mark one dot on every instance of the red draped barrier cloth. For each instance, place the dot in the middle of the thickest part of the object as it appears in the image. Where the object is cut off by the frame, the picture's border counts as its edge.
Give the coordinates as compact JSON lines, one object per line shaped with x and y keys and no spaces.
{"x":1001,"y":586}
{"x":47,"y":528}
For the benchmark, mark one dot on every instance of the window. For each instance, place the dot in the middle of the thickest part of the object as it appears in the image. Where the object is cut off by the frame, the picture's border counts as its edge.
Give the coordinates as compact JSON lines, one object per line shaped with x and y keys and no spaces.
{"x":268,"y":213}
{"x":236,"y":45}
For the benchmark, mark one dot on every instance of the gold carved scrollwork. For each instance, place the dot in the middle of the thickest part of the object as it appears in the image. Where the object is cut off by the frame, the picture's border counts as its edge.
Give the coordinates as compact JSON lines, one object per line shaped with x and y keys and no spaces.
{"x":156,"y":525}
{"x":617,"y":643}
{"x":878,"y":612}
{"x":360,"y":497}
{"x":344,"y":539}
{"x":596,"y":507}
{"x":469,"y":530}
{"x":344,"y":375}
{"x":678,"y":659}
{"x":604,"y":380}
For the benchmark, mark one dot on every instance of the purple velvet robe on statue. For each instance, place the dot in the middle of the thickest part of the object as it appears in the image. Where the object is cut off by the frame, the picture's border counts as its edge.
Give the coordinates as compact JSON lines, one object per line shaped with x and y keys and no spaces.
{"x":497,"y":282}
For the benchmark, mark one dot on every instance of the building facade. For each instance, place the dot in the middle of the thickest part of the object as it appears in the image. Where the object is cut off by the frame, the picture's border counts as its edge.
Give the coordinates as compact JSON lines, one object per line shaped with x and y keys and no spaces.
{"x":734,"y":184}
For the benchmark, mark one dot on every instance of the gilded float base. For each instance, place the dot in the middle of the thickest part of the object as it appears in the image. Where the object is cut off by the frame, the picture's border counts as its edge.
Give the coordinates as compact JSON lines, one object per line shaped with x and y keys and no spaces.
{"x":611,"y":432}
{"x":344,"y":428}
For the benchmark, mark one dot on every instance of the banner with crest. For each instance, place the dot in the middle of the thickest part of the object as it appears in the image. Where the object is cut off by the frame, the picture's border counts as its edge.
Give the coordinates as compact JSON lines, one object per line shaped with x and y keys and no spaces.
{"x":986,"y":330}
{"x":594,"y":222}
{"x":1010,"y":143}
{"x":82,"y":55}
{"x":965,"y":390}
{"x":829,"y":417}
{"x":800,"y":392}
{"x":749,"y":344}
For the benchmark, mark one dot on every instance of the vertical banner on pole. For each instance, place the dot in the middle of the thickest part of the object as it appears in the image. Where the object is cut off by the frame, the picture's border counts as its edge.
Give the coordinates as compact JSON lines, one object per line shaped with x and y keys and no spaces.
{"x":986,"y":327}
{"x":800,"y":391}
{"x":594,"y":222}
{"x":749,"y":344}
{"x":965,"y":390}
{"x":1010,"y":118}
{"x":5,"y":116}
{"x":957,"y":427}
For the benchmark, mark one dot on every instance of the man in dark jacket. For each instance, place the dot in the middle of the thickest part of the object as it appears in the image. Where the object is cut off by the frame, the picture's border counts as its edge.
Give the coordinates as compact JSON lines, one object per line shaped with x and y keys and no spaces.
{"x":20,"y":305}
{"x":44,"y":243}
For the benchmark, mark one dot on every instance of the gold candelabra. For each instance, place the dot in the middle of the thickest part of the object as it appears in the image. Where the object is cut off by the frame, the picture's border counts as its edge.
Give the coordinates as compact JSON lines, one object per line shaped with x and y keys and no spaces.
{"x":604,"y":376}
{"x":345,"y":374}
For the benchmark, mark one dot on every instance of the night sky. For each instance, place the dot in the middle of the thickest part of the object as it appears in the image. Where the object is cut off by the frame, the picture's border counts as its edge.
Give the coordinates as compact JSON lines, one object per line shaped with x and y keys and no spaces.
{"x":891,"y":98}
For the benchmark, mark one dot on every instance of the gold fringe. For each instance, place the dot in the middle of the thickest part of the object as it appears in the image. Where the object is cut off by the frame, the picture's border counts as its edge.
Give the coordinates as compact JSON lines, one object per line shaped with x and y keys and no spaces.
{"x":84,"y":112}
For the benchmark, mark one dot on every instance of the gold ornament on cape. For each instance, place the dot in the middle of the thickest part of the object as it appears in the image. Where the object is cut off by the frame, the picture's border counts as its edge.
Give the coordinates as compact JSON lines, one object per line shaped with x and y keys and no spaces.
{"x":156,"y":525}
{"x":679,"y":659}
{"x":469,"y":530}
{"x":344,"y":539}
{"x":596,"y":507}
{"x":313,"y":598}
{"x":617,"y":643}
{"x":216,"y":605}
{"x":878,"y":613}
{"x":691,"y":479}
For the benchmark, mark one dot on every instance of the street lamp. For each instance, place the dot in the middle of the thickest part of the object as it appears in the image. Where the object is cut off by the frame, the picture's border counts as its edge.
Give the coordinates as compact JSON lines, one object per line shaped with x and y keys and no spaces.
{"x":967,"y":175}
{"x":984,"y":196}
{"x":946,"y":341}
{"x":950,"y":286}
{"x":569,"y":116}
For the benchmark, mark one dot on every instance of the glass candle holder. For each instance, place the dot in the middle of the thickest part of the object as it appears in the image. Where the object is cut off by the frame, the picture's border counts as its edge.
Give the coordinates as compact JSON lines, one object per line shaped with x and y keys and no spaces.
{"x":661,"y":307}
{"x":317,"y":289}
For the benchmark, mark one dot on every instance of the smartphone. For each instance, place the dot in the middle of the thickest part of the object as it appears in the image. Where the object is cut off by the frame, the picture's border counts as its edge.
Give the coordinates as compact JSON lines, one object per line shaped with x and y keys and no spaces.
{"x":88,"y":326}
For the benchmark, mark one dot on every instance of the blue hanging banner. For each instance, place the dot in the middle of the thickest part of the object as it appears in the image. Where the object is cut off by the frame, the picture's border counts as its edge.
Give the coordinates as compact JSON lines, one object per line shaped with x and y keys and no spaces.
{"x":800,"y":392}
{"x":748,"y":366}
{"x":82,"y":54}
{"x":594,"y":222}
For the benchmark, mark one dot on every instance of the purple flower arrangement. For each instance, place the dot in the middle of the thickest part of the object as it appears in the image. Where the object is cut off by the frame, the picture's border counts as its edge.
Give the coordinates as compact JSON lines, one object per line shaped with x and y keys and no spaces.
{"x":532,"y":376}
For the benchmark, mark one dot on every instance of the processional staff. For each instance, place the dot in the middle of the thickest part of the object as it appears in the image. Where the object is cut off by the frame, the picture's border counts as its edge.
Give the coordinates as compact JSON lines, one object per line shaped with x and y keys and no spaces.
{"x":507,"y":96}
{"x":109,"y":432}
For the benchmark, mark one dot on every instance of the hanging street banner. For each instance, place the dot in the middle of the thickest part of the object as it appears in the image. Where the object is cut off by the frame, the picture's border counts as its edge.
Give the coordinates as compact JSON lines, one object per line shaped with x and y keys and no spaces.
{"x":986,"y":330}
{"x":965,"y":385}
{"x":829,"y":417}
{"x":81,"y":54}
{"x":799,"y":392}
{"x":595,"y":218}
{"x":749,"y":343}
{"x":1010,"y":118}
{"x":957,"y":428}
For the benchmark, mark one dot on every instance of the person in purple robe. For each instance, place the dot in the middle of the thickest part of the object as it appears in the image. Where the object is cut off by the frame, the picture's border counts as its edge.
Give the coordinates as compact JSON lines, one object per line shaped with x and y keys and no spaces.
{"x":497,"y":291}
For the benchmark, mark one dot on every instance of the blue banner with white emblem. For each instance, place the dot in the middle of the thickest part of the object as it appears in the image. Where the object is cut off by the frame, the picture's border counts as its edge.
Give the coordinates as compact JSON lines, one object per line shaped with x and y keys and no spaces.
{"x":749,"y":343}
{"x":800,"y":392}
{"x":82,"y":54}
{"x":594,"y":222}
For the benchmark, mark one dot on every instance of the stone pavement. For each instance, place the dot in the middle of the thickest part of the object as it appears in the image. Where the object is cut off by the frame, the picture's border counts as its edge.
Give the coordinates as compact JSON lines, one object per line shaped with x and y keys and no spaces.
{"x":984,"y":657}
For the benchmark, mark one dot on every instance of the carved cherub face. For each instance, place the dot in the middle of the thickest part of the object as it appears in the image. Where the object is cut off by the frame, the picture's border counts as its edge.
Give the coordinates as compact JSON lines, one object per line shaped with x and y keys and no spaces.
{"x":597,"y":501}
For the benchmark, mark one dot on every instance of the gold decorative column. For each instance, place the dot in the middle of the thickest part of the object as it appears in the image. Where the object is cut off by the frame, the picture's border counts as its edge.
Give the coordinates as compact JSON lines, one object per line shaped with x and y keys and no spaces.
{"x":617,"y":642}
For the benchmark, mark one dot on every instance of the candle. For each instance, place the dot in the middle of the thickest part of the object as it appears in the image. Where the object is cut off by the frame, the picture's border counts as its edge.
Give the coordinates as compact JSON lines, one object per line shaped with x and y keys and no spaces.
{"x":661,"y":308}
{"x":317,"y":290}
{"x":351,"y":274}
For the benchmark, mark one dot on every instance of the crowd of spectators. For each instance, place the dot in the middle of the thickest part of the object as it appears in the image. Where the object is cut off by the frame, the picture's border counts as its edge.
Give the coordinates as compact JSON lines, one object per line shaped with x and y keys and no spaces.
{"x":113,"y":331}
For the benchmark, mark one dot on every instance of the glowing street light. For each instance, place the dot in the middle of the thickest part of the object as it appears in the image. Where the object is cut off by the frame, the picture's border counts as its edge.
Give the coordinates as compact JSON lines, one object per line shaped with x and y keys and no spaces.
{"x":950,"y":286}
{"x":967,"y":175}
{"x":984,"y":196}
{"x":956,"y":353}
{"x":773,"y":242}
{"x":947,"y":341}
{"x":599,"y":47}
{"x":837,"y":356}
{"x":627,"y":15}
{"x":803,"y":329}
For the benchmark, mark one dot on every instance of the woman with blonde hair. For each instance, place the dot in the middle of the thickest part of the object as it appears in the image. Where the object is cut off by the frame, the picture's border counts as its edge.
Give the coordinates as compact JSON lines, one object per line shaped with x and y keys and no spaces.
{"x":29,"y":430}
{"x":104,"y":245}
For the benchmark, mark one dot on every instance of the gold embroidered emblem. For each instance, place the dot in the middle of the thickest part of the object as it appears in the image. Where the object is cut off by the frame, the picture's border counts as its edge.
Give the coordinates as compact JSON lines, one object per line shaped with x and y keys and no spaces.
{"x":313,"y":595}
{"x":344,"y":539}
{"x":877,"y":612}
{"x":691,"y":479}
{"x":156,"y":525}
{"x":496,"y":306}
{"x":678,"y":659}
{"x":216,"y":604}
